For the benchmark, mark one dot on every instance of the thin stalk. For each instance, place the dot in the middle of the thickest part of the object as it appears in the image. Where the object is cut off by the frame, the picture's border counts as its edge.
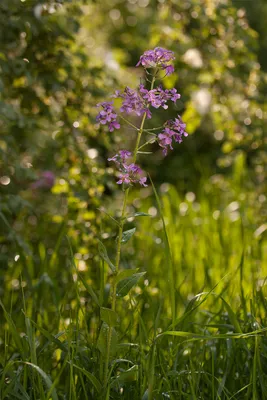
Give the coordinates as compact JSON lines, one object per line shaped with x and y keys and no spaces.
{"x":128,"y":122}
{"x":153,"y":129}
{"x":121,"y":226}
{"x":145,"y":144}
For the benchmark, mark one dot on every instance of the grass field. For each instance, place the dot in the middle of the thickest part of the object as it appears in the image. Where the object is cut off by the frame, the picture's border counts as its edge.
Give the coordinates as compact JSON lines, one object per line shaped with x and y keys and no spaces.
{"x":193,"y":327}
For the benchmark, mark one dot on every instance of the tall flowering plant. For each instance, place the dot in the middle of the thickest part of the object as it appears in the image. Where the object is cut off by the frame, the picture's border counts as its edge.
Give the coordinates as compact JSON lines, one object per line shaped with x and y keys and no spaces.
{"x":141,"y":102}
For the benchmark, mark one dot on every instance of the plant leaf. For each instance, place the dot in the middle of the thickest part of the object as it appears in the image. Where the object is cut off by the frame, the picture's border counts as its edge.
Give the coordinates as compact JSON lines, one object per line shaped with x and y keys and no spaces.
{"x":89,"y":289}
{"x":232,"y":316}
{"x":104,"y":255}
{"x":126,"y":236}
{"x":125,"y":274}
{"x":45,"y":378}
{"x":125,"y":285}
{"x":108,"y":316}
{"x":129,"y":375}
{"x":91,"y":377}
{"x":102,"y":342}
{"x":142,"y":214}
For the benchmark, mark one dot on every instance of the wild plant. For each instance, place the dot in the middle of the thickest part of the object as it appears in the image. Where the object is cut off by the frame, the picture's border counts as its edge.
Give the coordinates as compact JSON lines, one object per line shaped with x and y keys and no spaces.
{"x":141,"y":102}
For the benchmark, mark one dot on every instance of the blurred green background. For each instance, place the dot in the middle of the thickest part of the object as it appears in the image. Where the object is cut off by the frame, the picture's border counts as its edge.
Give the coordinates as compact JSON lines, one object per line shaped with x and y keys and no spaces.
{"x":57,"y":61}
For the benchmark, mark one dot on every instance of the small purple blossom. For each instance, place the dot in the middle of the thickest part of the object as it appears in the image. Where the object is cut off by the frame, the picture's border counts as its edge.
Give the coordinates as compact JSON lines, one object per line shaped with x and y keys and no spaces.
{"x":133,"y":102}
{"x":142,"y":181}
{"x":169,"y":69}
{"x":158,"y":97}
{"x":157,"y":58}
{"x":46,"y":181}
{"x":128,"y":173}
{"x":124,"y":178}
{"x":108,"y":116}
{"x":174,"y":129}
{"x":121,"y":157}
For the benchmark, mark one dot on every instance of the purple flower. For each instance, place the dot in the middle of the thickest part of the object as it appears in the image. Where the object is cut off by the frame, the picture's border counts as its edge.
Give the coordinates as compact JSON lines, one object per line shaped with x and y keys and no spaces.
{"x":124,"y":178}
{"x":128,"y":173}
{"x":157,"y":58}
{"x":108,"y":115}
{"x":165,"y":140}
{"x":142,"y":181}
{"x":174,"y":129}
{"x":173,"y":95}
{"x":121,"y":157}
{"x":169,"y":69}
{"x":113,"y":125}
{"x":135,"y":169}
{"x":158,"y":97}
{"x":46,"y":181}
{"x":124,"y":154}
{"x":133,"y":102}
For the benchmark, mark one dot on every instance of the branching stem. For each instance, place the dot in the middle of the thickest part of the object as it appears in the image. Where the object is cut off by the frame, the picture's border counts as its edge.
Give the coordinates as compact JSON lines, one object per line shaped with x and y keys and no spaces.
{"x":121,"y":225}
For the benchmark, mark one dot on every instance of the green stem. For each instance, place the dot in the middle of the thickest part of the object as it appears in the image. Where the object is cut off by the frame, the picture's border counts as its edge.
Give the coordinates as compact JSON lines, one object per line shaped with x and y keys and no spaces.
{"x":121,"y":223}
{"x":128,"y":122}
{"x":145,"y":144}
{"x":153,"y":129}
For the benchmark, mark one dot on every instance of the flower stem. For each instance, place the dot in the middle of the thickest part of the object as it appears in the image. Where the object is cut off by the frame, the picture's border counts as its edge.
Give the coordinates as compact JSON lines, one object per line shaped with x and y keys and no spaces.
{"x":128,"y":122}
{"x":118,"y":252}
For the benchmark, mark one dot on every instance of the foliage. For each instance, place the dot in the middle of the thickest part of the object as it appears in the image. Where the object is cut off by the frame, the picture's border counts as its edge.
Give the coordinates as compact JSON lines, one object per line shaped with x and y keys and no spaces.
{"x":218,"y":73}
{"x":200,"y":244}
{"x":47,"y":124}
{"x":220,"y":292}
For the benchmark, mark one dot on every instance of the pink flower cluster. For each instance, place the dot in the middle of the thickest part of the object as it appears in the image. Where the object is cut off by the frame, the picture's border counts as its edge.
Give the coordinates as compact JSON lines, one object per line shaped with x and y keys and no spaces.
{"x":133,"y":102}
{"x":108,"y":115}
{"x":46,"y":181}
{"x":174,"y":129}
{"x":158,"y":97}
{"x":158,"y":58}
{"x":140,"y":102}
{"x":128,"y":173}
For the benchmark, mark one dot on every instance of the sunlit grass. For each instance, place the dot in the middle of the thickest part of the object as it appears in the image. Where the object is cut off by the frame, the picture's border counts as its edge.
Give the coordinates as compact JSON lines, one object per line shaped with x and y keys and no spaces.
{"x":211,"y":345}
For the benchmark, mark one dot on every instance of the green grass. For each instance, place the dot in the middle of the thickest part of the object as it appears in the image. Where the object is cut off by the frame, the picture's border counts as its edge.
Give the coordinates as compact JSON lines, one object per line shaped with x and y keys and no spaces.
{"x":193,"y":328}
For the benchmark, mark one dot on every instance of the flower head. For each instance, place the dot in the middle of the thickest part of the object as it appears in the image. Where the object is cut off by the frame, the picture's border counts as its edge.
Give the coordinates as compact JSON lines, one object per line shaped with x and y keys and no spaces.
{"x":174,"y":129}
{"x":133,"y":102}
{"x":108,"y":116}
{"x":128,"y":173}
{"x":157,"y":58}
{"x":158,"y":97}
{"x":121,"y":157}
{"x":46,"y":181}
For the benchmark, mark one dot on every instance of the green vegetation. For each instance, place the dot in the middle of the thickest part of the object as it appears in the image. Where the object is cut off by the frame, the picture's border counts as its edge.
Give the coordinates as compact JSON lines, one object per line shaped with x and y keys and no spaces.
{"x":190,"y":319}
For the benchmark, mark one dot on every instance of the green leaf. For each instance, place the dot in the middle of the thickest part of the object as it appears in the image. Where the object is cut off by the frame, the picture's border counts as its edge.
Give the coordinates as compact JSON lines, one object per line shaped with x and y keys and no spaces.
{"x":194,"y":336}
{"x":51,"y":337}
{"x":108,"y":215}
{"x":125,"y":274}
{"x":130,"y":375}
{"x":91,"y":378}
{"x":142,"y":214}
{"x":232,"y":316}
{"x":108,"y":316}
{"x":13,"y":329}
{"x":89,"y":290}
{"x":104,"y":255}
{"x":126,"y":236}
{"x":125,"y":285}
{"x":102,"y":342}
{"x":45,"y":378}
